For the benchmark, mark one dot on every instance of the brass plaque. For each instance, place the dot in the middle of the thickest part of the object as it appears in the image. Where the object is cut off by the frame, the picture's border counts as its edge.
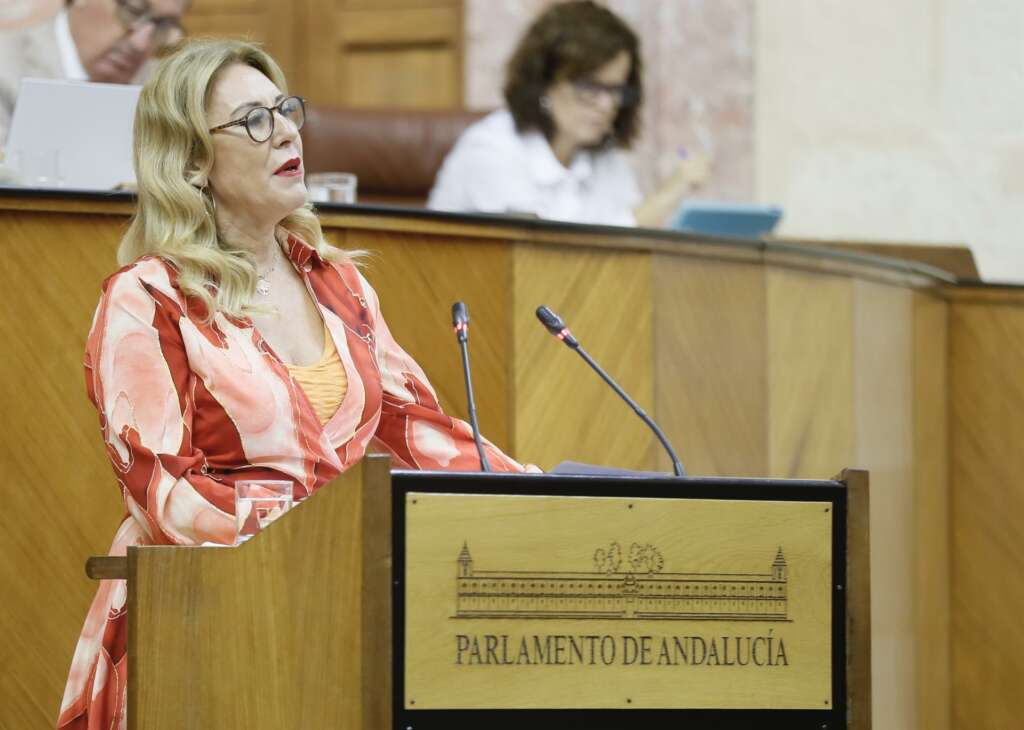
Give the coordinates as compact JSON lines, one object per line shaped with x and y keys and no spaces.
{"x":540,"y":602}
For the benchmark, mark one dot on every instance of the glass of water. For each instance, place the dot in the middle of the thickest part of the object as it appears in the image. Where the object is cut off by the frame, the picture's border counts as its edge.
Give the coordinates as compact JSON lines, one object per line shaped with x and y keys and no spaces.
{"x":257,"y":504}
{"x":332,"y":187}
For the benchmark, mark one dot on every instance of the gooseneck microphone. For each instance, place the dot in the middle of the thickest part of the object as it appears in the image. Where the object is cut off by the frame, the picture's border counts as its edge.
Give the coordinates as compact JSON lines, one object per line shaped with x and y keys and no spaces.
{"x":460,"y":321}
{"x":557,"y":327}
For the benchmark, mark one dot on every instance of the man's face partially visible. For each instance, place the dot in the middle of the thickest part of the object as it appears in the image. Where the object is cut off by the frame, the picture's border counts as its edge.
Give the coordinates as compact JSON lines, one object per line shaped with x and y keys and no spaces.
{"x":114,"y":38}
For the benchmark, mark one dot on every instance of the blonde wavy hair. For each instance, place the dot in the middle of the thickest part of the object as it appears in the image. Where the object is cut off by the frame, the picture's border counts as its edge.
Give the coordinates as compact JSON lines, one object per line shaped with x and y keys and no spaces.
{"x":172,"y":154}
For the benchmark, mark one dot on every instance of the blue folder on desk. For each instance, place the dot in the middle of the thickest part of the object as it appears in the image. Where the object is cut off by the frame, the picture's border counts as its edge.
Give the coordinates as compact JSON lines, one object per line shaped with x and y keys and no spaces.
{"x":737,"y":220}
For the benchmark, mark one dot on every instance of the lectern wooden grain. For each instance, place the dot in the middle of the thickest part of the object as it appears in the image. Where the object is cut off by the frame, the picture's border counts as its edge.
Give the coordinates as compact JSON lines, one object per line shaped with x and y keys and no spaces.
{"x":290,"y":630}
{"x":546,"y":601}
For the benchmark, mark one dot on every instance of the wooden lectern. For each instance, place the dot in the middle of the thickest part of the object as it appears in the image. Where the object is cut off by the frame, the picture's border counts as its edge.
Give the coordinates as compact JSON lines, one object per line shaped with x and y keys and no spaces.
{"x":548,"y":601}
{"x":290,"y":630}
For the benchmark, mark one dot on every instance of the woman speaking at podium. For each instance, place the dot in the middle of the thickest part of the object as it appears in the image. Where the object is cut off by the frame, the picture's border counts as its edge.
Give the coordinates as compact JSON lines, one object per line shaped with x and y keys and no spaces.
{"x":573,"y":91}
{"x":235,"y":343}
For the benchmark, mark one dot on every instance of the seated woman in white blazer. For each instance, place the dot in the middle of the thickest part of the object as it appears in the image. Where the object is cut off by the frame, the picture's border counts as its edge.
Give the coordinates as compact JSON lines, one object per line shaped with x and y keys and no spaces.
{"x":573,"y":93}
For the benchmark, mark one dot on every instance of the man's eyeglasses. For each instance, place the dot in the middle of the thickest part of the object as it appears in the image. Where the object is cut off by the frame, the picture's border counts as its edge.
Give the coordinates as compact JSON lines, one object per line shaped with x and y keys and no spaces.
{"x":259,"y":122}
{"x":590,"y":91}
{"x":137,"y":15}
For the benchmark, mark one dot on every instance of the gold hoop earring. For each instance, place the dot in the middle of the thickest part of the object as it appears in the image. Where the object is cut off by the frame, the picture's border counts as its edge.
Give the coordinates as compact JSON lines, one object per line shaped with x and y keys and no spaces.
{"x":209,"y":202}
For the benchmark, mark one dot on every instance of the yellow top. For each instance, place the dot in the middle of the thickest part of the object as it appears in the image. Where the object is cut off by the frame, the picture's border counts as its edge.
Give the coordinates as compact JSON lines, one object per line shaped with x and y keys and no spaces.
{"x":324,"y":382}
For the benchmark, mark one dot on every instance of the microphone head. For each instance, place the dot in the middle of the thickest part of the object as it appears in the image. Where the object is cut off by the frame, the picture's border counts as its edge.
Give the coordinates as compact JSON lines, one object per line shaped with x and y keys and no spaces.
{"x":549,"y":319}
{"x":460,"y":320}
{"x":556,"y":326}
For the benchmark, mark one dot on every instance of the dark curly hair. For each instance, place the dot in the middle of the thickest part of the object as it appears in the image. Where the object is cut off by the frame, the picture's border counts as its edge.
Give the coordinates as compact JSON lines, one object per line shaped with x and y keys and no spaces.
{"x":567,"y":42}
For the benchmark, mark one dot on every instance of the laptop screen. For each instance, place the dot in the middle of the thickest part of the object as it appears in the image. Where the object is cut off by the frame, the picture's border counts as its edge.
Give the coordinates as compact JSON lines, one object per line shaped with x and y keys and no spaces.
{"x":73,"y":134}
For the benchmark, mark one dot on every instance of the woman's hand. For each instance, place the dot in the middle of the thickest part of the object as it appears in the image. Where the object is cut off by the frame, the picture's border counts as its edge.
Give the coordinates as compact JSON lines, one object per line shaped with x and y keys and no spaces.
{"x":693,"y":169}
{"x":691,"y":172}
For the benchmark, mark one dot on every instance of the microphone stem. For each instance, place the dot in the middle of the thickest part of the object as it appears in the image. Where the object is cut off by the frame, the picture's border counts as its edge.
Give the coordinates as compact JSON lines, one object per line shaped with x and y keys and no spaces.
{"x":484,"y":465}
{"x":677,"y":466}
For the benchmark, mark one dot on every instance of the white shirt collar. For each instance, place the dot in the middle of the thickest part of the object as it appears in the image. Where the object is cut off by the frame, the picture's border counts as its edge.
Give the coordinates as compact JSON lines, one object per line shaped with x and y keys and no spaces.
{"x":545,"y":167}
{"x":69,"y":60}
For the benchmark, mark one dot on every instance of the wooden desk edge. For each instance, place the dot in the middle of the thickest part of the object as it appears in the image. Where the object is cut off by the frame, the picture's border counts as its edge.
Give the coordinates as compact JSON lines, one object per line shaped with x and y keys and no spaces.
{"x":817,"y":256}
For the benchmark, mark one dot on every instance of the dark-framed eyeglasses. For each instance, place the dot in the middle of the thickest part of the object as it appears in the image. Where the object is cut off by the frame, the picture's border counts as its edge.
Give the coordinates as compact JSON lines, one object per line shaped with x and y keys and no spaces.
{"x":590,"y":91}
{"x":137,"y":15}
{"x":259,"y":121}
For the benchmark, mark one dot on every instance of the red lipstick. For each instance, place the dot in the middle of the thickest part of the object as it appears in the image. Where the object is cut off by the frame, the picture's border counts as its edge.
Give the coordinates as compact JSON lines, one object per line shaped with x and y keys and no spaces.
{"x":290,"y":168}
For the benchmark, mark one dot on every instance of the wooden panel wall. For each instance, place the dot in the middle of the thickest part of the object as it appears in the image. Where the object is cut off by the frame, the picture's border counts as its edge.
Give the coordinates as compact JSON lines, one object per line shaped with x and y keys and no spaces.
{"x":357,"y":53}
{"x":709,"y":320}
{"x":60,"y":500}
{"x":562,"y":409}
{"x":786,"y":373}
{"x":987,"y":506}
{"x":810,"y":380}
{"x":385,"y":53}
{"x":931,"y":589}
{"x":882,"y":405}
{"x":278,"y":25}
{"x":417,"y":281}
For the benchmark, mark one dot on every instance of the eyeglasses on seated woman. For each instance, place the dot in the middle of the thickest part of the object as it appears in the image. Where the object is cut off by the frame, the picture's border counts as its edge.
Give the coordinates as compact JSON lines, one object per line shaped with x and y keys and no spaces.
{"x":573,"y":96}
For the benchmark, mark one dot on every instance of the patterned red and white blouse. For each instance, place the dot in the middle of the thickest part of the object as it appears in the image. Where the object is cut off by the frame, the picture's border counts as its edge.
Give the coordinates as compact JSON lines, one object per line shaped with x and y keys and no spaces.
{"x":188,"y":408}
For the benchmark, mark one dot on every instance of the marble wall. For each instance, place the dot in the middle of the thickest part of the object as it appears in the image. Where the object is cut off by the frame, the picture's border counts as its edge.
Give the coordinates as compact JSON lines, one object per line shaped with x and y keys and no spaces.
{"x":892,"y":122}
{"x":698,"y":59}
{"x":895,"y":121}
